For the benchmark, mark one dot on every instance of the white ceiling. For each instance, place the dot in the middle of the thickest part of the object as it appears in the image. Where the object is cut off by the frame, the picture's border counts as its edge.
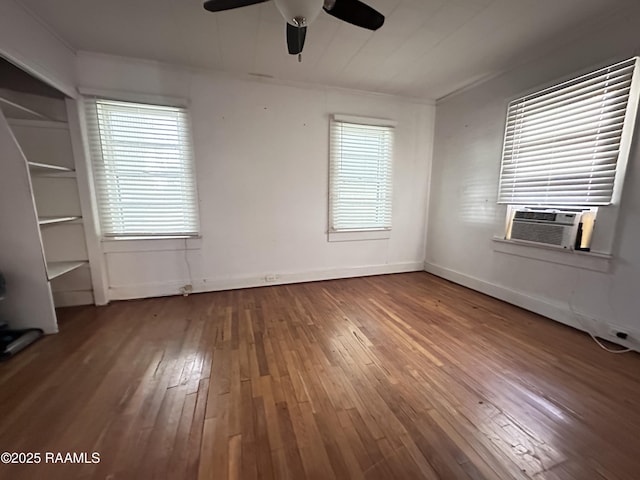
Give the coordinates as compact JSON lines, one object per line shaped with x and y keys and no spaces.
{"x":426,"y":48}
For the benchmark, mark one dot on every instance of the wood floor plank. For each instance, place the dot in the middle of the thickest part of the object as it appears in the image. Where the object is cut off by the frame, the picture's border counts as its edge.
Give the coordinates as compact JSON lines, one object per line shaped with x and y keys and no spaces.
{"x":391,"y":377}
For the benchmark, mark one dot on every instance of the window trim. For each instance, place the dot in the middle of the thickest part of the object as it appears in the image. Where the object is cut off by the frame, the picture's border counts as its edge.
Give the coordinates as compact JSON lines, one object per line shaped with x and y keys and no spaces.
{"x":357,"y":234}
{"x":124,"y":96}
{"x":628,"y":130}
{"x":375,"y":121}
{"x":91,"y":95}
{"x":352,"y":235}
{"x":595,"y":261}
{"x":150,"y":244}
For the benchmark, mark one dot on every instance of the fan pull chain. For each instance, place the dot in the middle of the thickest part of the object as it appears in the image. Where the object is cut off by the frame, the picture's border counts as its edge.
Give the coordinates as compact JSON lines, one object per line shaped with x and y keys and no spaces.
{"x":300,"y":22}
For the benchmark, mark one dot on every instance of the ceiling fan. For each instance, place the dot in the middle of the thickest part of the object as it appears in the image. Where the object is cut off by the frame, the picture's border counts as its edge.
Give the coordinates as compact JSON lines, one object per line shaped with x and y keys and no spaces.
{"x":300,"y":13}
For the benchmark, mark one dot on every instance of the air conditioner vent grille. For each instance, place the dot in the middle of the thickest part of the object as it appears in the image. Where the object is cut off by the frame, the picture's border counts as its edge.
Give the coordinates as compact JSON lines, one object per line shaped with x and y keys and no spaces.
{"x":538,"y":232}
{"x":544,"y":216}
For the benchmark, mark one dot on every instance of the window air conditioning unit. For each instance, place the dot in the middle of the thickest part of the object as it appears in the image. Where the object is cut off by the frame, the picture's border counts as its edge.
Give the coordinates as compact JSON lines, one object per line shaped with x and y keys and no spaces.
{"x":547,"y":227}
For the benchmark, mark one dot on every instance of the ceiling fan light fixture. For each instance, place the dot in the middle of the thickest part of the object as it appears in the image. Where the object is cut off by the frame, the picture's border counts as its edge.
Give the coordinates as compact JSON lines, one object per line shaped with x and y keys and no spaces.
{"x":295,"y":10}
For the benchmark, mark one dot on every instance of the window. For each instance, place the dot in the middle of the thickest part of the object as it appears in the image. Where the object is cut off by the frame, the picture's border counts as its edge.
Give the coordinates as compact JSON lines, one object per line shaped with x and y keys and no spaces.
{"x":361,"y":155}
{"x":564,"y":145}
{"x":143,"y":169}
{"x":565,"y":153}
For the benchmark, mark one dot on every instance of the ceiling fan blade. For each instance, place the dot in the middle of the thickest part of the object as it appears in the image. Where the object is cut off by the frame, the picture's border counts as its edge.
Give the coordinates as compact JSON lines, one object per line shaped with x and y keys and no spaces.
{"x":354,"y":12}
{"x":220,"y":5}
{"x":295,"y":38}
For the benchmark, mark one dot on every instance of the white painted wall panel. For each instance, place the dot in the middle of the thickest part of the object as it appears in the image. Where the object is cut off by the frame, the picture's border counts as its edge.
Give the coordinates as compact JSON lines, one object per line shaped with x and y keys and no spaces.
{"x":262,"y":164}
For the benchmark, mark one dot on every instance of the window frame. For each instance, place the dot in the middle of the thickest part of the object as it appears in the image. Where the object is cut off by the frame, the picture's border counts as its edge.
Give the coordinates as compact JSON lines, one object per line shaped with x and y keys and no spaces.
{"x":89,"y":96}
{"x":342,"y":235}
{"x":607,"y":215}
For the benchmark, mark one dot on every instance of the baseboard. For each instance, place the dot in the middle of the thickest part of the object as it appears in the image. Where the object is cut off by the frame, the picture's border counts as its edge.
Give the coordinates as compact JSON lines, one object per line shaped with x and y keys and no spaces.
{"x":557,"y":311}
{"x":73,"y":298}
{"x":161,"y":289}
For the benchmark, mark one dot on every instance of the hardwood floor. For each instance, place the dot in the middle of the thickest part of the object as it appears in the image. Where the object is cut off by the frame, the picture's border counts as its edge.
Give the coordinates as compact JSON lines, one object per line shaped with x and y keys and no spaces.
{"x":397,"y":376}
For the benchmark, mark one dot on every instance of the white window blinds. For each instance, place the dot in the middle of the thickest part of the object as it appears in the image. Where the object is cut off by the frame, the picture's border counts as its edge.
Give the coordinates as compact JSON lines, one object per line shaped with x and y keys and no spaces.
{"x":562,"y":144}
{"x":360,"y":174}
{"x":143,"y":169}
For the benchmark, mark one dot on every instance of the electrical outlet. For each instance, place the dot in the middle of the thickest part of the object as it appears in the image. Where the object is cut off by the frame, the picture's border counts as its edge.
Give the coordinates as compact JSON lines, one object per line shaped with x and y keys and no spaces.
{"x":272,"y":277}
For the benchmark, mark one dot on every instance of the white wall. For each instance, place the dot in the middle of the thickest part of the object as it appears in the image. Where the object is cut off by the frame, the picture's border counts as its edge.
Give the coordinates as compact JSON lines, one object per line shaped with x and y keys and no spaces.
{"x":26,"y":42}
{"x":261,"y":154}
{"x":464,"y":217}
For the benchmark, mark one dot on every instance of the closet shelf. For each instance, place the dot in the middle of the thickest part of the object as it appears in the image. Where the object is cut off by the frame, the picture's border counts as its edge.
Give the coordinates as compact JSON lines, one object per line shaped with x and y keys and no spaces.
{"x":13,"y":110}
{"x":53,"y":220}
{"x":47,"y":169}
{"x":38,"y":123}
{"x":55,"y":269}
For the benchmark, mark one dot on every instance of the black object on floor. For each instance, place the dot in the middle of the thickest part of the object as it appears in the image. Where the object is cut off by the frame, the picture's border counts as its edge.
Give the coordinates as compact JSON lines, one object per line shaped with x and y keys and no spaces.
{"x":12,"y":341}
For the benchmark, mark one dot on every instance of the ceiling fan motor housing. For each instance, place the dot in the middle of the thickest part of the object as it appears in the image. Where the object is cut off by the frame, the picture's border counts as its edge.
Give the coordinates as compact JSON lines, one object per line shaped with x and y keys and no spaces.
{"x":299,"y":13}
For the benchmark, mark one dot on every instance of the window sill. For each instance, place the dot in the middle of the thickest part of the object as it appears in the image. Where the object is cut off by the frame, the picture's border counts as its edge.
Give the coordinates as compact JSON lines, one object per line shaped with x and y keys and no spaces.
{"x":358,"y":235}
{"x":598,"y":262}
{"x":151,"y":244}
